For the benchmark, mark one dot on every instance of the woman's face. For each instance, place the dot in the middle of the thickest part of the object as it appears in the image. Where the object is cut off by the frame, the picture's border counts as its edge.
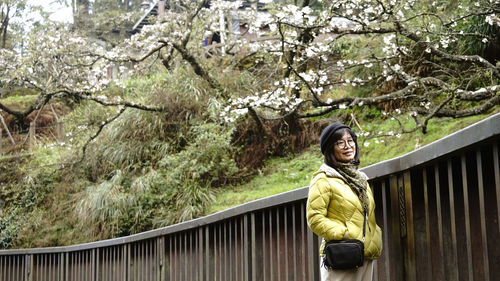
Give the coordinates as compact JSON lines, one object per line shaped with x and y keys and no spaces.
{"x":344,"y":149}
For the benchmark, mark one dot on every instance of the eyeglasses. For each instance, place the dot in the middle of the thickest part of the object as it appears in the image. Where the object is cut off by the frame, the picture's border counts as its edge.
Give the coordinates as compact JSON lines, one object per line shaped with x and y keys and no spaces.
{"x":343,"y":143}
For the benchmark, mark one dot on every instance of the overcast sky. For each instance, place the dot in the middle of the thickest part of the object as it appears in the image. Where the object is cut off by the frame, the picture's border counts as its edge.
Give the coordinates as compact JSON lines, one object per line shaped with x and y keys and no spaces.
{"x":60,"y":12}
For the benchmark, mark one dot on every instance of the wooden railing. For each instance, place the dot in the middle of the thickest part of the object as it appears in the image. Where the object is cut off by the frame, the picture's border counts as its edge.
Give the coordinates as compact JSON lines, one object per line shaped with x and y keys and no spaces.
{"x":438,"y":207}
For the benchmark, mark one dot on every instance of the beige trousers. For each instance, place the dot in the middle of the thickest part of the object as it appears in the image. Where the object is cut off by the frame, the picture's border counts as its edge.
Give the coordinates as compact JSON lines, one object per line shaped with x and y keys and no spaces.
{"x":364,"y":273}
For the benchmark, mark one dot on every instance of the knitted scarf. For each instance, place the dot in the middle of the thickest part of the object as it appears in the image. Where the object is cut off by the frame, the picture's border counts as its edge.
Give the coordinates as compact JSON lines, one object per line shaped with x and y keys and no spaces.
{"x":356,"y":181}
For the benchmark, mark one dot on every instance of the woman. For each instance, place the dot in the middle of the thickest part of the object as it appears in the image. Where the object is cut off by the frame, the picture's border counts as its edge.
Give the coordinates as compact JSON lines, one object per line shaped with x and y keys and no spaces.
{"x":339,"y":196}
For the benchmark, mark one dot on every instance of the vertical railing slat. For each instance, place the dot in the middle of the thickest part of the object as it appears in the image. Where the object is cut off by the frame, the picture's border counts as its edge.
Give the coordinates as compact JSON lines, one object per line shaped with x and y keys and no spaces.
{"x":207,"y":252}
{"x":185,"y":254}
{"x":439,"y":219}
{"x":385,"y":232}
{"x":124,"y":262}
{"x":482,"y":214}
{"x":159,"y":258}
{"x":496,"y":172}
{"x":152,"y":260}
{"x":79,"y":264}
{"x":200,"y":254}
{"x":29,"y":267}
{"x":194,"y":254}
{"x":245,"y":232}
{"x":103,"y":268}
{"x":271,"y":246}
{"x":214,"y":252}
{"x":106,"y":263}
{"x":294,"y":249}
{"x":303,"y":231}
{"x":454,"y":258}
{"x":98,"y":267}
{"x":243,"y":247}
{"x":143,"y":260}
{"x":285,"y":228}
{"x":396,"y":249}
{"x":410,"y":232}
{"x":311,"y":252}
{"x":116,"y":264}
{"x":220,"y":248}
{"x":66,"y":265}
{"x":226,"y":259}
{"x":428,"y":274}
{"x":93,"y":265}
{"x":45,"y":267}
{"x":468,"y":237}
{"x":15,"y":267}
{"x":128,"y":250}
{"x":231,"y":254}
{"x":51,"y":266}
{"x":265,"y":246}
{"x":278,"y":243}
{"x":88,"y":265}
{"x":253,"y":254}
{"x":10,"y":267}
{"x":147,"y":259}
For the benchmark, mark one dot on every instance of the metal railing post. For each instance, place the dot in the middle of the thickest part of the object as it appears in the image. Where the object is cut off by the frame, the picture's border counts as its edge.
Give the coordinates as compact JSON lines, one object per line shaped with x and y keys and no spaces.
{"x":28,"y":267}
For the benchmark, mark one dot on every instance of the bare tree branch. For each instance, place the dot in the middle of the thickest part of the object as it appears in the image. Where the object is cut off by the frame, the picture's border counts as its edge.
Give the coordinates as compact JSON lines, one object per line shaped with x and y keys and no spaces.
{"x":99,"y":130}
{"x":494,"y":101}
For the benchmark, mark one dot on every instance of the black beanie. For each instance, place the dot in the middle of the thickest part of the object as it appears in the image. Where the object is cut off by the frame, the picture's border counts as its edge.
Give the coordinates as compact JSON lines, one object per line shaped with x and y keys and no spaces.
{"x":328,"y":132}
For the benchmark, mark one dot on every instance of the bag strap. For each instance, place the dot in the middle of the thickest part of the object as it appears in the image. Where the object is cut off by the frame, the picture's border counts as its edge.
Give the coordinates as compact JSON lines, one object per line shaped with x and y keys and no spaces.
{"x":364,"y":226}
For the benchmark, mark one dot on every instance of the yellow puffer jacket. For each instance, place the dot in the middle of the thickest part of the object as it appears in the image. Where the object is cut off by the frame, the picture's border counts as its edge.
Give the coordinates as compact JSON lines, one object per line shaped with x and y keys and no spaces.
{"x":335,"y":212}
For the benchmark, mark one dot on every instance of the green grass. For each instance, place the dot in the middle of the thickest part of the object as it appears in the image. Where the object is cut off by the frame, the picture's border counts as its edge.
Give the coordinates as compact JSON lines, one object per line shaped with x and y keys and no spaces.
{"x":279,"y":175}
{"x":285,"y":174}
{"x":19,"y":101}
{"x":375,"y":150}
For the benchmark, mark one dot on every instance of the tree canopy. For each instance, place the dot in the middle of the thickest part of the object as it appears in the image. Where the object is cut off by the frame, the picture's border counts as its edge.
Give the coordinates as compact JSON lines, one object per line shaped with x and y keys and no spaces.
{"x":421,"y":57}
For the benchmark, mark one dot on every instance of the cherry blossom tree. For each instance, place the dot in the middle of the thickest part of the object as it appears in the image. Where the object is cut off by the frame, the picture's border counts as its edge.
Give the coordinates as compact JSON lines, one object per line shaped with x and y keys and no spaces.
{"x":419,"y":60}
{"x":413,"y":56}
{"x":417,"y":55}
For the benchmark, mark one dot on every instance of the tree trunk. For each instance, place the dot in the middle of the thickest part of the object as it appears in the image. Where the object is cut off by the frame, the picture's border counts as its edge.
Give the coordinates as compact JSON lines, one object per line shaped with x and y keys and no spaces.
{"x":126,"y":5}
{"x":81,"y":14}
{"x":5,"y":24}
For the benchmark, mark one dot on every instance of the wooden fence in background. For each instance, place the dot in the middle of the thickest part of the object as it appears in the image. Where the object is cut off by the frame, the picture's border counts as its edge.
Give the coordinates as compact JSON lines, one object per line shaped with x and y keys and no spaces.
{"x":29,"y":136}
{"x":438,"y":207}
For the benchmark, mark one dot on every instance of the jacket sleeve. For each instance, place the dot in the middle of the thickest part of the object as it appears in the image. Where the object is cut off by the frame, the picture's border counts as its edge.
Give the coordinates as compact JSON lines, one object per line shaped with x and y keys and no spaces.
{"x":318,"y":200}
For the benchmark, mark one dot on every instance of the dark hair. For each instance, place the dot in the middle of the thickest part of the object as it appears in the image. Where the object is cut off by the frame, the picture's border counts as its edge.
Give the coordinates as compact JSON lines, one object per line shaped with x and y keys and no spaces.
{"x":337,"y":135}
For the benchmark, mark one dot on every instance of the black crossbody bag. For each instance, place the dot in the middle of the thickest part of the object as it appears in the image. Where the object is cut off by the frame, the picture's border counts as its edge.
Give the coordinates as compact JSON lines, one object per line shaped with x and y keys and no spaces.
{"x":345,"y":253}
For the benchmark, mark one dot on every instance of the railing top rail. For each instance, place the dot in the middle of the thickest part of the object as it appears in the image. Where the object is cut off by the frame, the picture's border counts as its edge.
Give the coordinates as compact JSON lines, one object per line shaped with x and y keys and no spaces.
{"x":472,"y":134}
